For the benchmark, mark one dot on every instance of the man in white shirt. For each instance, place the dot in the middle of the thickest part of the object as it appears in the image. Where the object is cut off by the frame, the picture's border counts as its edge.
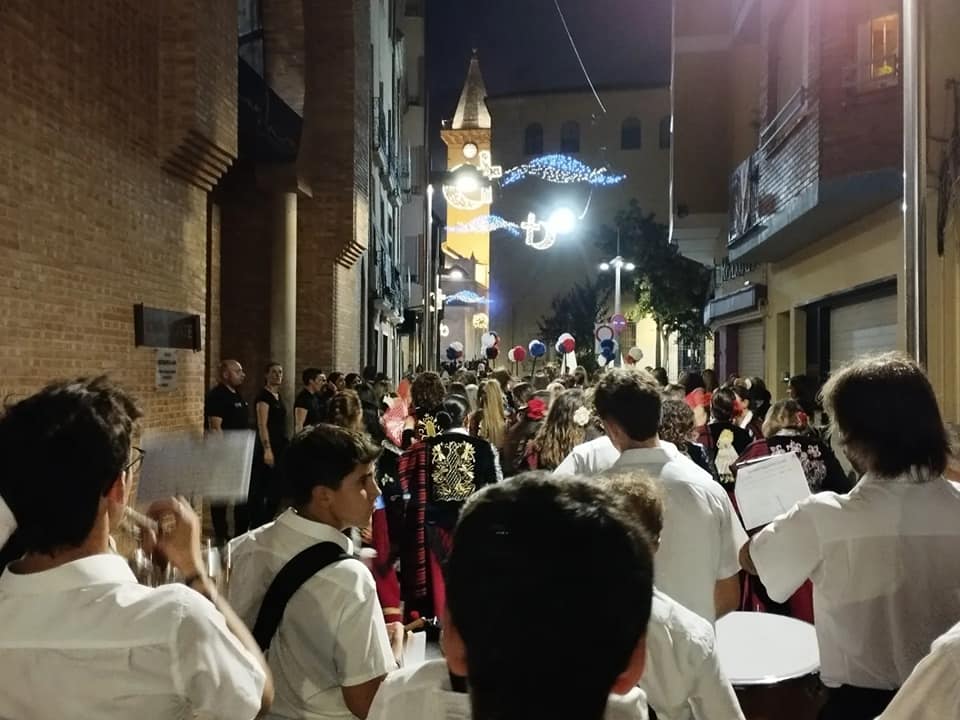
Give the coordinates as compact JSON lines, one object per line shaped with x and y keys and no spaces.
{"x":697,"y":561}
{"x":332,"y":649}
{"x":78,"y":636}
{"x":883,"y":558}
{"x":590,"y":458}
{"x":530,"y":556}
{"x":683,"y":679}
{"x":932,"y":692}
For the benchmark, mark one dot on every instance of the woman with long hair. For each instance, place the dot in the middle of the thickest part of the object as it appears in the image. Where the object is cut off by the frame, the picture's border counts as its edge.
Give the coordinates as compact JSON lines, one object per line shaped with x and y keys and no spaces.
{"x":439,"y":473}
{"x":677,"y":427}
{"x":531,"y":416}
{"x":427,"y":393}
{"x":346,"y":411}
{"x":566,"y":427}
{"x":489,"y":421}
{"x":727,"y":440}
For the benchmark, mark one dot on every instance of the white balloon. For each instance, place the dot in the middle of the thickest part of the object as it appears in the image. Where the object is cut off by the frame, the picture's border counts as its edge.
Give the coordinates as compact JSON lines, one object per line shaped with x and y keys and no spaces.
{"x":510,"y":355}
{"x":488,"y":340}
{"x":458,"y":346}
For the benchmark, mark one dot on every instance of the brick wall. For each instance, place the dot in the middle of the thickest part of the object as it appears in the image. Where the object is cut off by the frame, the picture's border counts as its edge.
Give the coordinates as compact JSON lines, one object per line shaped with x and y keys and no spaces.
{"x":90,"y":222}
{"x":861,"y":130}
{"x":792,"y":166}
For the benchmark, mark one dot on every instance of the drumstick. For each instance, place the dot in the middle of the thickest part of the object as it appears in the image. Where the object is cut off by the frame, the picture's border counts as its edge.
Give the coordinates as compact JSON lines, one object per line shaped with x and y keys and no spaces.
{"x":415,"y":625}
{"x":140,"y":520}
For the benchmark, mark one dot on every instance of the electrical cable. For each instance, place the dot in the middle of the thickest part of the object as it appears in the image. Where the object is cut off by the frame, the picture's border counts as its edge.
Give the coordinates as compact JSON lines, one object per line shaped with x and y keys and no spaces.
{"x":579,"y":59}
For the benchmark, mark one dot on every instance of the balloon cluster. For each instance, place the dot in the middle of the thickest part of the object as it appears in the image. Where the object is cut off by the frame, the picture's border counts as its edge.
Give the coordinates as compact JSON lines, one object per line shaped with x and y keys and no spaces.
{"x":634,"y":356}
{"x":455,"y":351}
{"x":490,"y":342}
{"x":517,"y":354}
{"x":566,"y":344}
{"x":608,"y":352}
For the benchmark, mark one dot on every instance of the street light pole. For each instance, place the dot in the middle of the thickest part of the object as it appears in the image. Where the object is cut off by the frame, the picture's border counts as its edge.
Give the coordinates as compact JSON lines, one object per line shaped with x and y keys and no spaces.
{"x":426,"y":282}
{"x":618,"y":264}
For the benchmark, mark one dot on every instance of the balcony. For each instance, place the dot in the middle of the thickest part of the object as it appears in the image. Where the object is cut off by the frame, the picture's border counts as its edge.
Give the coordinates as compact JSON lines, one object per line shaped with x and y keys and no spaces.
{"x":822,"y":163}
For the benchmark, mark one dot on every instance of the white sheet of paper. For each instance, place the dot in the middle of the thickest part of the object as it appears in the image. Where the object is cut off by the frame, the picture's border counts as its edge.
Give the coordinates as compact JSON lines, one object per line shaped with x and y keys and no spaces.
{"x":215,"y":467}
{"x":770,"y":487}
{"x":415,"y":650}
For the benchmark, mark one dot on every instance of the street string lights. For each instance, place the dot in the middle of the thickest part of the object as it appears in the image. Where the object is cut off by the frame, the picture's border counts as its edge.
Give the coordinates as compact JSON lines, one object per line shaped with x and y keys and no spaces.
{"x":562,"y":170}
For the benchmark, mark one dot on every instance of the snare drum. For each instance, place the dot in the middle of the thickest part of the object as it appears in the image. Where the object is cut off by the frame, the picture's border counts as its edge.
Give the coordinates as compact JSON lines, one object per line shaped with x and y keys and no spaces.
{"x":772,"y":662}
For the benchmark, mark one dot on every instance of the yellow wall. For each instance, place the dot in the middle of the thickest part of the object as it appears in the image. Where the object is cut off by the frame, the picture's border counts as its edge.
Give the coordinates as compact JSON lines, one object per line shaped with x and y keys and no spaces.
{"x":865,"y":251}
{"x":475,"y":245}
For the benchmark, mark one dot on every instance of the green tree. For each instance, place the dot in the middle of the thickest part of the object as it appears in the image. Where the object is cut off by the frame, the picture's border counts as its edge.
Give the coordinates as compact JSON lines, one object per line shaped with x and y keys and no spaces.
{"x":668,"y":287}
{"x":577,"y":311}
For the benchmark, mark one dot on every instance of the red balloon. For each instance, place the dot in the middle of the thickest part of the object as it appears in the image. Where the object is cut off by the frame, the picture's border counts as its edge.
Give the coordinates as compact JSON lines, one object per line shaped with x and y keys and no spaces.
{"x":519,"y":353}
{"x":568,"y":345}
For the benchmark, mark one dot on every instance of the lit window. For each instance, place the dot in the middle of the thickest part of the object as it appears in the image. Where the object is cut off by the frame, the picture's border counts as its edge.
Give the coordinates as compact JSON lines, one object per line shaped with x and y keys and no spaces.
{"x":631,"y":134}
{"x":533,"y":139}
{"x":884,"y":46}
{"x":570,"y":137}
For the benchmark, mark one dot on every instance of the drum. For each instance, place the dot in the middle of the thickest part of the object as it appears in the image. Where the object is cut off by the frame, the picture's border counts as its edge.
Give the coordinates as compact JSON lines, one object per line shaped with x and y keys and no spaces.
{"x":772,"y":662}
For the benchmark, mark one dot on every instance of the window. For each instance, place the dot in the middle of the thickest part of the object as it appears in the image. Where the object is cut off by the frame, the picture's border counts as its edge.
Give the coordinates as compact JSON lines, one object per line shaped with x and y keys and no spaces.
{"x":631,"y":134}
{"x":570,"y":137}
{"x":533,"y":139}
{"x":665,"y":130}
{"x":878,"y":52}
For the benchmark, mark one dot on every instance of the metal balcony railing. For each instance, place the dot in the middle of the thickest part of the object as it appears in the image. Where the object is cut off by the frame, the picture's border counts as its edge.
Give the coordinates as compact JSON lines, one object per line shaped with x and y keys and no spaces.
{"x":785,"y":121}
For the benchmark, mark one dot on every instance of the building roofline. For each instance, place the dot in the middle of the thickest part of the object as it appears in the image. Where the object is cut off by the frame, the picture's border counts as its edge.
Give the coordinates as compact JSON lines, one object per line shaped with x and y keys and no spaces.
{"x":580,"y":90}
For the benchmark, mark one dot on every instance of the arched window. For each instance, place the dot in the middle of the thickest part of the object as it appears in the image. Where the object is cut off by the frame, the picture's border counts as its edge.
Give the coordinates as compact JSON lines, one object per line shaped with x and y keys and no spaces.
{"x":533,"y":139}
{"x":570,"y":137}
{"x":631,"y":134}
{"x":665,"y":132}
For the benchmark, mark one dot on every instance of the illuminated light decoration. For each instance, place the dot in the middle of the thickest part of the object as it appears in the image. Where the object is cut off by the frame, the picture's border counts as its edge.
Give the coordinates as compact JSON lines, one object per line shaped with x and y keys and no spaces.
{"x":487,"y":168}
{"x":461,"y":201}
{"x":563,"y":170}
{"x":481,"y":321}
{"x":486,"y":223}
{"x":465,"y":297}
{"x":444,"y":330}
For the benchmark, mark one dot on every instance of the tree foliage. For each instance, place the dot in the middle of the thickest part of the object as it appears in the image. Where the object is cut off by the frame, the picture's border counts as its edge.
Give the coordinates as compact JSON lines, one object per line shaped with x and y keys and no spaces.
{"x":577,"y":312}
{"x":669,"y":287}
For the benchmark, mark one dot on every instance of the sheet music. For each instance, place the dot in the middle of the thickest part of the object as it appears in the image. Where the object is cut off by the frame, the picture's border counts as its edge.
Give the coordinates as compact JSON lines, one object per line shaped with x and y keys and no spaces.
{"x":216,"y":467}
{"x":769,"y":487}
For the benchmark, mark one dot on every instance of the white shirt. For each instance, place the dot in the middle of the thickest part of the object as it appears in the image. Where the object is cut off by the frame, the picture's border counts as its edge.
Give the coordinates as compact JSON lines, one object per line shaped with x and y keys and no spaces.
{"x":702,"y":534}
{"x":932,"y":692}
{"x":683,"y":679}
{"x":8,"y":523}
{"x":332,"y":633}
{"x":84,"y":640}
{"x":424,"y":693}
{"x":589,"y":458}
{"x":885,"y":565}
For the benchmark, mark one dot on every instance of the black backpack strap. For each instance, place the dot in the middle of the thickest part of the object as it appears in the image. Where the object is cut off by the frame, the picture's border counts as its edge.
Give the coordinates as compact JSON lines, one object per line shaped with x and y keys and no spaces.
{"x":291,"y":577}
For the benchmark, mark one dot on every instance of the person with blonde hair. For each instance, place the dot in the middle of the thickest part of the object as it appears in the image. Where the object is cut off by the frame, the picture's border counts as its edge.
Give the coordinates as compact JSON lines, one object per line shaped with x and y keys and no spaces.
{"x":683,"y":677}
{"x":567,"y":424}
{"x":489,"y":421}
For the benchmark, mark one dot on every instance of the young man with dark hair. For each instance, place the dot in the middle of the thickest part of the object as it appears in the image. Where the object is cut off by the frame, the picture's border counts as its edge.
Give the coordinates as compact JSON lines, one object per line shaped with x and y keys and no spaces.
{"x":306,"y":407}
{"x":697,"y":560}
{"x":225,"y":409}
{"x":882,"y":558}
{"x":683,"y":679}
{"x":332,"y":648}
{"x":529,"y":556}
{"x":112,"y":647}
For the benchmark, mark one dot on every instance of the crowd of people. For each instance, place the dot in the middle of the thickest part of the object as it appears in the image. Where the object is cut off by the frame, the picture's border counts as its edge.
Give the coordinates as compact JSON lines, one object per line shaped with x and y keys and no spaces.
{"x":576,"y":538}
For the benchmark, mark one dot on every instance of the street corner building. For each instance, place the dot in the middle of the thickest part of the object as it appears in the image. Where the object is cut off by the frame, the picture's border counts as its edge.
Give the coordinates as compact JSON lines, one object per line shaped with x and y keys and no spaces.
{"x":186,"y":181}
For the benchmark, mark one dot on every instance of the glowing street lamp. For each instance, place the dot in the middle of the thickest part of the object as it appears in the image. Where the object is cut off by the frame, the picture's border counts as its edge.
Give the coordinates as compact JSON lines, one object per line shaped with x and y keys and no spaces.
{"x":618,"y":264}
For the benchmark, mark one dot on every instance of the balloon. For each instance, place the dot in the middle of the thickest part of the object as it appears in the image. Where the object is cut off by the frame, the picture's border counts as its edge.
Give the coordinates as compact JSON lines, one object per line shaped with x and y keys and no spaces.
{"x":569,"y":345}
{"x":607,"y":345}
{"x":602,"y":361}
{"x":458,"y":346}
{"x":634,"y":356}
{"x":492,"y":353}
{"x":604,"y":332}
{"x":619,"y":323}
{"x":488,"y":340}
{"x":510,"y":356}
{"x":564,"y":337}
{"x":519,"y":353}
{"x":496,"y":338}
{"x":537,"y":349}
{"x":452,"y":353}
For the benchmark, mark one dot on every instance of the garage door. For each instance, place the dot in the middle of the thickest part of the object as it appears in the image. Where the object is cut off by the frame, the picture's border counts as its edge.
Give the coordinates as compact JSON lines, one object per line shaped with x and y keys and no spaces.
{"x":862,"y":329}
{"x":750,"y":350}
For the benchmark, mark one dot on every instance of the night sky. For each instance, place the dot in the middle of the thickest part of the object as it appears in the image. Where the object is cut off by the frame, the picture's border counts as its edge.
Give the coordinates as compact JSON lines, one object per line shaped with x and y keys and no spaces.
{"x":523,"y":46}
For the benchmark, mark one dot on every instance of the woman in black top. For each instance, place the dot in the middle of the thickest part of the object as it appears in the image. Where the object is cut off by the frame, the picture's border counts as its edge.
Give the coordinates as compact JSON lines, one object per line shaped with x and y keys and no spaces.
{"x":265,"y":490}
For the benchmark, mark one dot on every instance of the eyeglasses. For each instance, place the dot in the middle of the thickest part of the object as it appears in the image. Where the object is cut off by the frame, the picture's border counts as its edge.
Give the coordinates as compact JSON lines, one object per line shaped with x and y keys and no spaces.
{"x":139,"y":454}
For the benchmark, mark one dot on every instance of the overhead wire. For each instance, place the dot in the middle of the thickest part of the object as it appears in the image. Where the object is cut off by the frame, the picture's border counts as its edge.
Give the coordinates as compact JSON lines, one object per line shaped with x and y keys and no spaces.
{"x":576,"y":52}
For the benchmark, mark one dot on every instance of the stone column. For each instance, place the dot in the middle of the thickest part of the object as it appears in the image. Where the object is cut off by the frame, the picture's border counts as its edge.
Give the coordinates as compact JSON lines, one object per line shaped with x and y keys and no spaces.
{"x":283,"y":293}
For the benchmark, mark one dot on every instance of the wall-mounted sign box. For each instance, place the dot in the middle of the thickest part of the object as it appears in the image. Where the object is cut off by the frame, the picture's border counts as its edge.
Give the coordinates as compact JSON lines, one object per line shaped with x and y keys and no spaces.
{"x":158,"y":328}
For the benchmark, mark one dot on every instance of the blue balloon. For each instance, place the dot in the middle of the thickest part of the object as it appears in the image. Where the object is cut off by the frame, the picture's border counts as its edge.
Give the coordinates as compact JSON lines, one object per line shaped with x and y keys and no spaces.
{"x":537,"y":349}
{"x":606,"y":345}
{"x":452,"y":353}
